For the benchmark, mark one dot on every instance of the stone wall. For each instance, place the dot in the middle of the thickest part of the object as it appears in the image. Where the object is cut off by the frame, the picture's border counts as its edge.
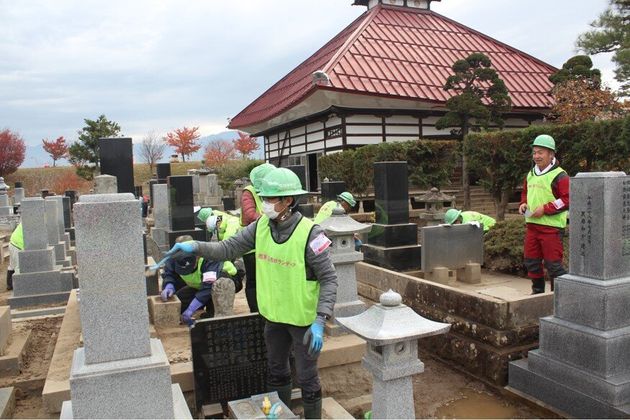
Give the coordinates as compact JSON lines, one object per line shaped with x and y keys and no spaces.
{"x":487,"y":332}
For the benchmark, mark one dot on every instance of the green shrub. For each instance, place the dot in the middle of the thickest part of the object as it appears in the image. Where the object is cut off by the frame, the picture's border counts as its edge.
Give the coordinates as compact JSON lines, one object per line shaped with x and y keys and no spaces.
{"x":233,"y":170}
{"x":431,"y":163}
{"x":503,"y":247}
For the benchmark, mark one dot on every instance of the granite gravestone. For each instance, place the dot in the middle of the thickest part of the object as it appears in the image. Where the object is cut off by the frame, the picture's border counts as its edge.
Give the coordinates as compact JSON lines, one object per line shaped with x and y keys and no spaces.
{"x":53,"y":211}
{"x":120,"y":372}
{"x":331,"y":189}
{"x":393,"y":241}
{"x":116,"y":157}
{"x":229,"y":358}
{"x":161,"y":216}
{"x":582,"y":366}
{"x":182,"y":218}
{"x":18,"y":194}
{"x":105,"y":184}
{"x":38,"y":280}
{"x":163,"y":171}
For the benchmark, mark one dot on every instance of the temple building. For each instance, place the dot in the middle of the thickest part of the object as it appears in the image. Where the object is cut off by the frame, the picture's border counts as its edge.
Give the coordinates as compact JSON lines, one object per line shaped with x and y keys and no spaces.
{"x":381,"y":80}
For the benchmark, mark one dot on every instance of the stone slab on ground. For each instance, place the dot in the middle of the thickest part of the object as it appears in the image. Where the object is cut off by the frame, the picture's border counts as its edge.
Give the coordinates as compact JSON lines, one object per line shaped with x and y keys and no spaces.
{"x":40,"y":299}
{"x":11,"y":361}
{"x":5,"y":327}
{"x":19,"y":315}
{"x":7,"y":402}
{"x":331,"y":409}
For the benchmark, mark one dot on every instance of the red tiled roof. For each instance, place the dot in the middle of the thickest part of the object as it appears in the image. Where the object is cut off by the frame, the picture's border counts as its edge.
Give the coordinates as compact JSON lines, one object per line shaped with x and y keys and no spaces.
{"x":403,"y":53}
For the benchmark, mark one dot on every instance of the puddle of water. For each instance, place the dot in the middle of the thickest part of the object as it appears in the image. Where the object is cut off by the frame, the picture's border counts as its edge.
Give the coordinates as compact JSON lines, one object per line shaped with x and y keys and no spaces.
{"x":474,"y":405}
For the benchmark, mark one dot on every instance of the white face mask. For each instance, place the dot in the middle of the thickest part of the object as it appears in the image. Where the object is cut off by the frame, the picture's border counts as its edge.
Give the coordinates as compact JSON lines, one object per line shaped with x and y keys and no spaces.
{"x":269,"y":209}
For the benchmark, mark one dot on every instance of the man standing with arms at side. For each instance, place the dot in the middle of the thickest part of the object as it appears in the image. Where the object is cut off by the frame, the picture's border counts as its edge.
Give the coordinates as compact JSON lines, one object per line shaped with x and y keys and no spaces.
{"x":545,"y":205}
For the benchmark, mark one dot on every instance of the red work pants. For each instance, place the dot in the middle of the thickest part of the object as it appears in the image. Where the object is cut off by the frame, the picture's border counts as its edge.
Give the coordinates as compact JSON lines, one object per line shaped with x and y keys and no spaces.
{"x":543,"y":243}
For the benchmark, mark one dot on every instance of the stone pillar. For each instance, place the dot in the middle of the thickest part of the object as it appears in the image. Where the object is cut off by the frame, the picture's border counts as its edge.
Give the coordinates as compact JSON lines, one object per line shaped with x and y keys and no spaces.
{"x":182,"y":216}
{"x":53,"y":217}
{"x":116,"y":158}
{"x":120,"y":372}
{"x":5,"y":207}
{"x":18,"y":196}
{"x":582,"y":366}
{"x":393,"y":241}
{"x":38,"y":280}
{"x":105,"y":184}
{"x":161,"y":216}
{"x":392,"y":330}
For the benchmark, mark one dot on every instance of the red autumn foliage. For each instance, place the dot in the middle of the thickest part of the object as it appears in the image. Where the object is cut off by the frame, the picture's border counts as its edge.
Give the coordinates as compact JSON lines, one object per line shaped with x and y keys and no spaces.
{"x":245,"y":144}
{"x":70,"y":181}
{"x":57,"y":149}
{"x":218,"y":153}
{"x":12,"y":151}
{"x":184,"y":141}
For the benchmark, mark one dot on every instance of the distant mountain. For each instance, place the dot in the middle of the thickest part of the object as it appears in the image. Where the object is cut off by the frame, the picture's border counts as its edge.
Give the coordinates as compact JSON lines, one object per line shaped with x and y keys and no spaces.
{"x":36,"y":157}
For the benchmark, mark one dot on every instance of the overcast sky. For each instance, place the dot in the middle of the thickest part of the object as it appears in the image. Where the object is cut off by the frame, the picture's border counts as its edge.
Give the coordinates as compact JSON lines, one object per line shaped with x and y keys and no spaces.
{"x":163,"y":64}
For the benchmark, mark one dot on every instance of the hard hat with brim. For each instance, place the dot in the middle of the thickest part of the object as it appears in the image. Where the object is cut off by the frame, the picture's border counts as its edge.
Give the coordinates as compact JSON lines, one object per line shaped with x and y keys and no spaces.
{"x":204,"y":214}
{"x":257,"y":174}
{"x":281,"y":182}
{"x":546,"y":141}
{"x":348,"y":198}
{"x":451,"y":216}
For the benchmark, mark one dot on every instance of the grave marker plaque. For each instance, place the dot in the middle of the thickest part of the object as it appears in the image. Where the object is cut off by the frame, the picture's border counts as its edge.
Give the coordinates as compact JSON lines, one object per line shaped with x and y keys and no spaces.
{"x":116,"y":156}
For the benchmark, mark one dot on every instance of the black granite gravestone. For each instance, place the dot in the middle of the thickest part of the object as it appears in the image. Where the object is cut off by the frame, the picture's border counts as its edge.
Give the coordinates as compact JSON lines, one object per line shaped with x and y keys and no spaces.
{"x":300,"y":171}
{"x":18,"y":184}
{"x":67,"y":221}
{"x":393,"y":241}
{"x":116,"y":157}
{"x":229,"y":358}
{"x":137,"y":191}
{"x":181,"y":209}
{"x":152,"y":182}
{"x":73,"y":196}
{"x":163,"y":171}
{"x":331,"y":189}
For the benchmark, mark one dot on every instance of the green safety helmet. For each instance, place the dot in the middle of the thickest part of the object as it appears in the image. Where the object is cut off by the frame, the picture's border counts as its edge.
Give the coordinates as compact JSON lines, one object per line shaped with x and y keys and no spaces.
{"x":348,"y":198}
{"x":281,"y":182}
{"x":545,"y":140}
{"x":451,"y":216}
{"x":257,"y":174}
{"x":204,"y":214}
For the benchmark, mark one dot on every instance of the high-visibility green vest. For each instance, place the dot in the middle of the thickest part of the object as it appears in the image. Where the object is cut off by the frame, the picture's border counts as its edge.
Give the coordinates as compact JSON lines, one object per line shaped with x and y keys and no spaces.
{"x":195,"y":278}
{"x":473,"y":216}
{"x":257,"y":199}
{"x":539,"y":193}
{"x":17,"y":237}
{"x":283,"y":292}
{"x":325,"y":211}
{"x":230,"y":225}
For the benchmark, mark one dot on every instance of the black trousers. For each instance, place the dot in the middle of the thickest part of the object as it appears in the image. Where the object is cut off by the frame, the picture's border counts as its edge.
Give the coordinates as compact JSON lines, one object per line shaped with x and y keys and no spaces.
{"x":186,"y":295}
{"x":249,"y":261}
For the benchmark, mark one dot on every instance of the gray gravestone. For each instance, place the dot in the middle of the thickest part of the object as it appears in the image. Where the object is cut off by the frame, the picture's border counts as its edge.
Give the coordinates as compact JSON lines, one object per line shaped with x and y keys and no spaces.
{"x":120,"y":372}
{"x":451,"y":246}
{"x":161,"y":216}
{"x":105,"y":184}
{"x":582,"y":366}
{"x":5,"y":207}
{"x":18,"y":196}
{"x":38,"y":280}
{"x":54,"y":216}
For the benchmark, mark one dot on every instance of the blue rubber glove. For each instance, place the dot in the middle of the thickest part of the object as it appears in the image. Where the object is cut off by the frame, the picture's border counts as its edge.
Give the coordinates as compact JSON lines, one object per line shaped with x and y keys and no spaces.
{"x":167,"y":292}
{"x":180,"y":249}
{"x":314,"y":336}
{"x":188,"y":313}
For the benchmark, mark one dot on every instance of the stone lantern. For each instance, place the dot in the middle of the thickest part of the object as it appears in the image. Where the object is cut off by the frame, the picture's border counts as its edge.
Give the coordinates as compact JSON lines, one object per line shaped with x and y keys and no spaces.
{"x":392,"y":330}
{"x":4,"y":188}
{"x":433,"y":202}
{"x":340,"y":228}
{"x":5,"y":207}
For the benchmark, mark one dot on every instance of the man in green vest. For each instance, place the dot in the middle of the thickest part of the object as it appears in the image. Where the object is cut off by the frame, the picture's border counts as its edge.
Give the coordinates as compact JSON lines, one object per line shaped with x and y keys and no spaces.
{"x":544,"y":203}
{"x":297,"y":284}
{"x":201,"y":282}
{"x":251,"y":209}
{"x":345,"y":200}
{"x":223,"y":224}
{"x":16,"y":244}
{"x":454,"y":216}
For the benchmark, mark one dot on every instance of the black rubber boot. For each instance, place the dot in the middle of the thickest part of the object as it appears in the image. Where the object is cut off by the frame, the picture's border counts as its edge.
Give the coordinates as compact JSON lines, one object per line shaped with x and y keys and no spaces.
{"x":312,"y":403}
{"x":284,"y":392}
{"x":538,"y":286}
{"x":10,"y":279}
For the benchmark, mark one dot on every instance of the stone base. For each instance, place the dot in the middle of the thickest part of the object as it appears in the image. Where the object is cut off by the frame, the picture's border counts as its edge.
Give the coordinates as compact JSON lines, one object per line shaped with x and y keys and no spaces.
{"x":136,"y":388}
{"x":470,"y":274}
{"x":7,"y":402}
{"x":72,"y":253}
{"x":402,"y":258}
{"x":197,"y":235}
{"x":41,"y":283}
{"x":393,"y":235}
{"x":560,"y":396}
{"x":34,"y":300}
{"x":11,"y":361}
{"x":152,"y":279}
{"x":67,"y":262}
{"x":441,"y":275}
{"x":346,"y":309}
{"x":164,"y":314}
{"x":37,"y":260}
{"x":5,"y":327}
{"x":179,"y":406}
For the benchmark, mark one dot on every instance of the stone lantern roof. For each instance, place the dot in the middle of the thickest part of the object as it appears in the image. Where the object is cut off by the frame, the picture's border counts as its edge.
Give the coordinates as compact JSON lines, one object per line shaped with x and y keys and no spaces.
{"x":339,"y":224}
{"x":390,"y":321}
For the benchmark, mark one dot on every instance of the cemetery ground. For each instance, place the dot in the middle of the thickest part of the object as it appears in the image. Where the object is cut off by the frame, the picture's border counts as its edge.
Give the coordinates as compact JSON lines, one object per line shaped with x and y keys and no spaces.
{"x":442,"y":391}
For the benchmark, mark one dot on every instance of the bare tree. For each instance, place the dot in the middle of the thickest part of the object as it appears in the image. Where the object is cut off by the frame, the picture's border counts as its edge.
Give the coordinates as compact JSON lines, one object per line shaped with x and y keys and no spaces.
{"x":152,"y":149}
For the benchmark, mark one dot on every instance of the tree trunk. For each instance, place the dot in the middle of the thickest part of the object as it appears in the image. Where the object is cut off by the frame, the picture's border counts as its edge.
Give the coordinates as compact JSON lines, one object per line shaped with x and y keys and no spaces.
{"x":54,"y":161}
{"x":183,"y":158}
{"x":502,"y":204}
{"x":465,"y":179}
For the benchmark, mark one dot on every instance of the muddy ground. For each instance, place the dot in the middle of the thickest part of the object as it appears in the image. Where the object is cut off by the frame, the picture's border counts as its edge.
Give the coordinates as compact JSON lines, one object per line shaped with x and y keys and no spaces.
{"x":440,"y":392}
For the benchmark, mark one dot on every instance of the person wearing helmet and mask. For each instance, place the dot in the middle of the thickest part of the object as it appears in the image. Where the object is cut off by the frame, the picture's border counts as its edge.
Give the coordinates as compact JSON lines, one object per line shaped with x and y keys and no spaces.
{"x":347,"y":202}
{"x":251,"y":210}
{"x":201,"y":283}
{"x":223,"y":224}
{"x":454,"y":216}
{"x":297,"y":284}
{"x":545,"y":205}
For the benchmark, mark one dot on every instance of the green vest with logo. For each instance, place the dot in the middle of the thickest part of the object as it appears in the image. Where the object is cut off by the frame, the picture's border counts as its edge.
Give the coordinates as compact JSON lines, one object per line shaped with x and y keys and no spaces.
{"x":539,"y":193}
{"x":473,"y":216}
{"x":17,"y":237}
{"x":325,"y":211}
{"x":195,"y":278}
{"x":283,"y":292}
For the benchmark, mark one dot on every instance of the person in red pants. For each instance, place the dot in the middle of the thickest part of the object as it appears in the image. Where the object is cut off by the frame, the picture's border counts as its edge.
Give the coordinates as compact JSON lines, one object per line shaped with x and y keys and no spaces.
{"x":544,"y":203}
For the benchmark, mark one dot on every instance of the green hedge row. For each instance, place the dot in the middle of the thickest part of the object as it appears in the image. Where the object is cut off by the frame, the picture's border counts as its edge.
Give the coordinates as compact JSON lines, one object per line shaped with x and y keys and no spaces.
{"x":431,"y":163}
